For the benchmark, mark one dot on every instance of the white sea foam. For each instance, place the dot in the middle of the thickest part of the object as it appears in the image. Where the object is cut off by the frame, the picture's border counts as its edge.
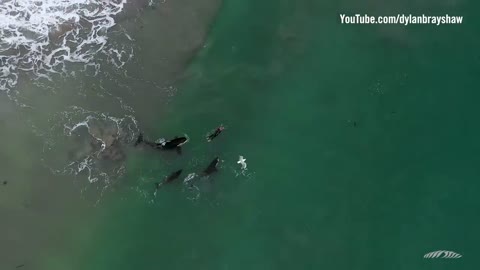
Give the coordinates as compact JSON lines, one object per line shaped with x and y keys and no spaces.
{"x":43,"y":37}
{"x":106,"y":130}
{"x":189,"y":178}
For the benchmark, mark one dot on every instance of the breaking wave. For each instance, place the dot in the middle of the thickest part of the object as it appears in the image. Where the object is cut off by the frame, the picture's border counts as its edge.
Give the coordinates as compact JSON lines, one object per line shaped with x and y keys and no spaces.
{"x":45,"y":37}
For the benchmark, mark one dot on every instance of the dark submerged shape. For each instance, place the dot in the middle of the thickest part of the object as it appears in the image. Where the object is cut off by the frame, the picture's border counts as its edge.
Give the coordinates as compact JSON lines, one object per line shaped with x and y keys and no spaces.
{"x":169,"y":178}
{"x":139,"y":139}
{"x":212,"y":167}
{"x":173,"y":176}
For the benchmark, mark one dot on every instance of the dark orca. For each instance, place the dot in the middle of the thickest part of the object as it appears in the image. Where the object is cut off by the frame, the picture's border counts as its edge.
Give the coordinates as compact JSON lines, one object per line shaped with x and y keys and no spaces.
{"x":212,"y":167}
{"x":173,"y":176}
{"x":173,"y":144}
{"x":169,"y":178}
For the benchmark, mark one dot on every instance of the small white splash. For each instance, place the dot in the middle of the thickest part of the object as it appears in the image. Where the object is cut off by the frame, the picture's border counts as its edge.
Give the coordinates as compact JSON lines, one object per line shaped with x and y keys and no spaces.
{"x":189,"y":178}
{"x":160,"y":141}
{"x":242,"y":162}
{"x":191,"y":188}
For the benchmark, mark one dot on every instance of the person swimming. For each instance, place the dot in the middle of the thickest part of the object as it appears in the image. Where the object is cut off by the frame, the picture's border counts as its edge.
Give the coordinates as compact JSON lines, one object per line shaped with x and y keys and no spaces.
{"x":217,"y":132}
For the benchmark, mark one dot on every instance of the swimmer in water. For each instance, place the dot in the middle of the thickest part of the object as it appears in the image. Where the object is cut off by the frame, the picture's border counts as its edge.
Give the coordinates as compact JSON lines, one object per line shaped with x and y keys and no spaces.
{"x":215,"y":133}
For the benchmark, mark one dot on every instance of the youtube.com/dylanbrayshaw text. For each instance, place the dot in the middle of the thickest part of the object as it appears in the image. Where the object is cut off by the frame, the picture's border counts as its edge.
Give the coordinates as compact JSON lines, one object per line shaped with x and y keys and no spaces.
{"x":403,"y":19}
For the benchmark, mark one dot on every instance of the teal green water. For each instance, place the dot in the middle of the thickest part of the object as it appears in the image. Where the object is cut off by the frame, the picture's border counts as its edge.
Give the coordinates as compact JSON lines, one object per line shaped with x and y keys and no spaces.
{"x":362,"y":145}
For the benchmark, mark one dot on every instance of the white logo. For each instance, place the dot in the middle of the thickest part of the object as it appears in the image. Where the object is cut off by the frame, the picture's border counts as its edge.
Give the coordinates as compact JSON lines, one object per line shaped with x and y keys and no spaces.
{"x":442,"y":254}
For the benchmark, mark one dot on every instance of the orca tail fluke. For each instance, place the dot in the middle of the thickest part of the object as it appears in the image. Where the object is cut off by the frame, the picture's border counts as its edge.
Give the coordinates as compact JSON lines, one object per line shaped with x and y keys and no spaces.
{"x":139,"y":139}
